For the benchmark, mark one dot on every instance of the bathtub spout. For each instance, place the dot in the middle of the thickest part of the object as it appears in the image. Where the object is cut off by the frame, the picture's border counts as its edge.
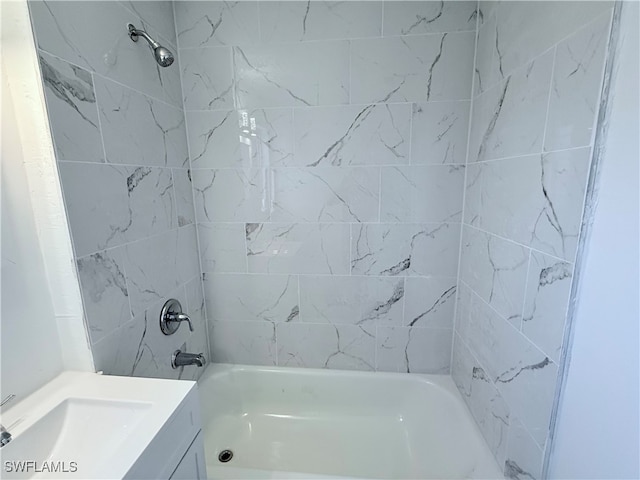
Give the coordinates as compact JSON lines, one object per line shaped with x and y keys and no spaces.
{"x":182,"y":359}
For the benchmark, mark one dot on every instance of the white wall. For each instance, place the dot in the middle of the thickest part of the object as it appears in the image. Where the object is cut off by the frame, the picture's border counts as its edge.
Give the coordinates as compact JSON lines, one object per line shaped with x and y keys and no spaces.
{"x":597,"y":430}
{"x":42,"y":326}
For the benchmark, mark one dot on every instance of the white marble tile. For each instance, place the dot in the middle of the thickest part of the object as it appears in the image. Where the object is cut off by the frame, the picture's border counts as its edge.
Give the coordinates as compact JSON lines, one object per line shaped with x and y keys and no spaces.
{"x":71,"y":105}
{"x":425,"y":193}
{"x":439,"y":132}
{"x":488,"y":65}
{"x":222,"y":247}
{"x":311,"y":345}
{"x":463,"y":307}
{"x":535,"y":200}
{"x":508,"y":119}
{"x":155,"y":266}
{"x":247,"y":297}
{"x":429,"y":302}
{"x":487,"y":406}
{"x":353,"y":135}
{"x":110,"y":205}
{"x":405,"y":249}
{"x":251,"y":343}
{"x":157,"y":14}
{"x":298,"y":248}
{"x":202,"y":24}
{"x":413,"y":350}
{"x":524,"y":456}
{"x":546,"y":301}
{"x":104,"y":292}
{"x":292,"y":21}
{"x":231,"y":195}
{"x":415,"y":68}
{"x":349,"y":194}
{"x":295,"y":74}
{"x":527,"y":29}
{"x":139,"y":348}
{"x":411,"y":18}
{"x":523,"y":374}
{"x":184,"y":196}
{"x":577,"y":77}
{"x":256,"y":138}
{"x":563,"y":179}
{"x":351,"y":300}
{"x":138,"y":130}
{"x":102,"y":46}
{"x":496,"y":270}
{"x":207,"y":78}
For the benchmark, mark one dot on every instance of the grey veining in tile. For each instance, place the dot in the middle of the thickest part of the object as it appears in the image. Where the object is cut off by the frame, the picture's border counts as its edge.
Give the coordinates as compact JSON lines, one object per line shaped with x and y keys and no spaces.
{"x":348,"y":347}
{"x":351,"y":300}
{"x":231,"y":195}
{"x":535,"y":200}
{"x":329,"y":194}
{"x":104,"y":292}
{"x":577,"y":77}
{"x":429,"y":193}
{"x":222,"y":247}
{"x":157,"y":14}
{"x":251,"y":343}
{"x":256,"y":138}
{"x":508,"y":119}
{"x":242,"y":297}
{"x":353,"y":135}
{"x":414,"y":68}
{"x":296,"y":74}
{"x":495,"y":269}
{"x":110,"y":205}
{"x":291,"y":21}
{"x":439,"y":132}
{"x":413,"y":350}
{"x":298,"y":248}
{"x":412,"y":18}
{"x":148,"y":278}
{"x":546,"y":301}
{"x":524,"y":456}
{"x":405,"y":249}
{"x":207,"y":78}
{"x":71,"y":104}
{"x":202,"y":24}
{"x":429,"y":302}
{"x":138,"y":130}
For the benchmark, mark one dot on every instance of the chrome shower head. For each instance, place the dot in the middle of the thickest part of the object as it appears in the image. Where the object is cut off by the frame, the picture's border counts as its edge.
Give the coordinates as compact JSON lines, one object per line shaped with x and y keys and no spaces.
{"x":163,"y":56}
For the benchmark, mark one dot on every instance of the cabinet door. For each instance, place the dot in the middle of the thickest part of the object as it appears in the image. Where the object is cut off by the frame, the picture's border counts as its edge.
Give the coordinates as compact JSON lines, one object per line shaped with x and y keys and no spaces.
{"x":193,"y":465}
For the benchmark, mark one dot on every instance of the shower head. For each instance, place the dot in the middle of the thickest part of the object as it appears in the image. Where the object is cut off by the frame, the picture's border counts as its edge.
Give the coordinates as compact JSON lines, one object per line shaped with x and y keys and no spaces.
{"x":162,"y":55}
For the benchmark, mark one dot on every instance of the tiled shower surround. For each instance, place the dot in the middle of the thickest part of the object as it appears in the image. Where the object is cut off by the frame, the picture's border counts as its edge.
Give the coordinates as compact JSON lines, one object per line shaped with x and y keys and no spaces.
{"x":538,"y":75}
{"x":120,"y":140}
{"x":327,"y":145}
{"x":358,"y":185}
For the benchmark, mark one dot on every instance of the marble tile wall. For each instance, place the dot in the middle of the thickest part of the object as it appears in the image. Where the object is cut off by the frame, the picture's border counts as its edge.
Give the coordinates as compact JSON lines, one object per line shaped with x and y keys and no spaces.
{"x":119,"y":131}
{"x":328,"y":142}
{"x":537,"y":79}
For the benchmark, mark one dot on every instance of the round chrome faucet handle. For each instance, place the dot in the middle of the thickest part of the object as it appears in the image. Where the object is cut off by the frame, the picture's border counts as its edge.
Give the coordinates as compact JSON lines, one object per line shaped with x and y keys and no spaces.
{"x":171,"y":316}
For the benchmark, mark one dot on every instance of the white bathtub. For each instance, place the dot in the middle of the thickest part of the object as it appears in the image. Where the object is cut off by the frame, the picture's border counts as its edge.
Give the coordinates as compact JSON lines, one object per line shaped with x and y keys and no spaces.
{"x":307,"y":423}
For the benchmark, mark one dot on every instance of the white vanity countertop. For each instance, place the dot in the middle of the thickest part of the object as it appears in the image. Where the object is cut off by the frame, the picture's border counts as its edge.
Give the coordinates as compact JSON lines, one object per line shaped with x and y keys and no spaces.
{"x":103,"y":423}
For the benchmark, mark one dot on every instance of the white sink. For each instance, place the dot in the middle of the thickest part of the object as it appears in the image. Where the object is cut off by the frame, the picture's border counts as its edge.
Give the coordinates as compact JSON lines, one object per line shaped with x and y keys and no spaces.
{"x":86,"y":425}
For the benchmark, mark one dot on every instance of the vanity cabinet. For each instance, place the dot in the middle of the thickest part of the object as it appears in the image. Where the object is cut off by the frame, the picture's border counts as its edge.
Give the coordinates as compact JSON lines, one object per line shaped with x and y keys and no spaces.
{"x":177,"y":451}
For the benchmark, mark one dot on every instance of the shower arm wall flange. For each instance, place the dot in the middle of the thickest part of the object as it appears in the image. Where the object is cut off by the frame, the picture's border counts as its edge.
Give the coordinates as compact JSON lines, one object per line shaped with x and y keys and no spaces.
{"x":134,"y":33}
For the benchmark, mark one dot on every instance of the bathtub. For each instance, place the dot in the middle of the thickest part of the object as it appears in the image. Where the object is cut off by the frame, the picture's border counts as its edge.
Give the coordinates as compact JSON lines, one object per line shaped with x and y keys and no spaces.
{"x":307,"y":423}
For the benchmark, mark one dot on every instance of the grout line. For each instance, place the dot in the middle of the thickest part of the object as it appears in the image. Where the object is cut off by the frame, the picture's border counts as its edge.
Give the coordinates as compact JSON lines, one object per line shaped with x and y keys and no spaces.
{"x":526,"y":291}
{"x":464,"y":185}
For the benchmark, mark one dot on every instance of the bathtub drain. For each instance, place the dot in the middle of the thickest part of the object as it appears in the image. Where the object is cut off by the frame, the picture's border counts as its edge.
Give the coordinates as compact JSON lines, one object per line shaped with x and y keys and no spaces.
{"x":225,"y":456}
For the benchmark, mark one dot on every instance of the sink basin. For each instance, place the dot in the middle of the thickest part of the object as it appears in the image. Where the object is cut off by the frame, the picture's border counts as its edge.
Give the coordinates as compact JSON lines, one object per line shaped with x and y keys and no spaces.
{"x":78,"y":430}
{"x":84,"y":425}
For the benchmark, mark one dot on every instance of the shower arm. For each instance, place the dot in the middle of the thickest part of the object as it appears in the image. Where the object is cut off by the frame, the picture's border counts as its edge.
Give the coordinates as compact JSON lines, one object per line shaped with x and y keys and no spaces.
{"x":134,"y":33}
